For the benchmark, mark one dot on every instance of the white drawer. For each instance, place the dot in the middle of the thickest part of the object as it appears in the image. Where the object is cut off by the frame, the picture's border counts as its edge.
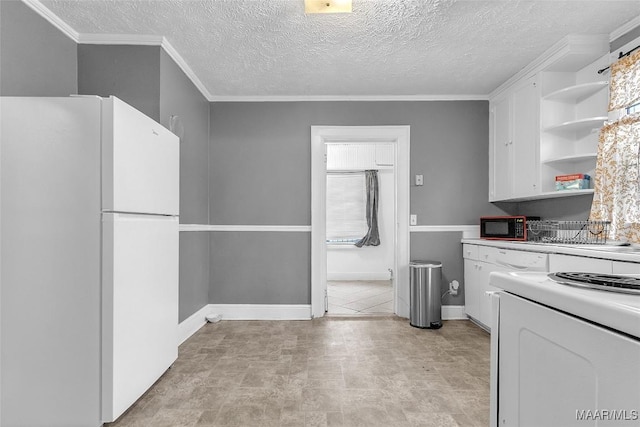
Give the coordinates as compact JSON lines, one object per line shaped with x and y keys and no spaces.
{"x":470,"y":251}
{"x":521,"y":260}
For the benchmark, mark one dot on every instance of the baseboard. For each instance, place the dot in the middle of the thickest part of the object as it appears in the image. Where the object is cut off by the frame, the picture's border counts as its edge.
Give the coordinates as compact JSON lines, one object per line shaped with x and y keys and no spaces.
{"x":383,"y":275}
{"x":262,"y":311}
{"x":453,"y":312}
{"x":191,"y":324}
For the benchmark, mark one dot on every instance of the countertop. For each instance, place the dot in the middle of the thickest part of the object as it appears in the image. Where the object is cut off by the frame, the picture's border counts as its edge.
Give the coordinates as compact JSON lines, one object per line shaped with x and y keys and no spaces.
{"x":609,"y":252}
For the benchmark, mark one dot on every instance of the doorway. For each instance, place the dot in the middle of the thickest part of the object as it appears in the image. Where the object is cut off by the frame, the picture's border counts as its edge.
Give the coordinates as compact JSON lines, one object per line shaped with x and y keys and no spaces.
{"x":359,"y":278}
{"x":398,"y":136}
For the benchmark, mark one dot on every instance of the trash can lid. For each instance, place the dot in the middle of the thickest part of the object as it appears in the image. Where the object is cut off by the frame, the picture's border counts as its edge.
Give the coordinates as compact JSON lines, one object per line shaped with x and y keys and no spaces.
{"x":421,"y":263}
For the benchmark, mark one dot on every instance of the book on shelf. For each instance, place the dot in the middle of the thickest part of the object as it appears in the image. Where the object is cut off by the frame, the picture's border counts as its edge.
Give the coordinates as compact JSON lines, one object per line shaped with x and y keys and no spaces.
{"x":575,"y":181}
{"x":572,"y":177}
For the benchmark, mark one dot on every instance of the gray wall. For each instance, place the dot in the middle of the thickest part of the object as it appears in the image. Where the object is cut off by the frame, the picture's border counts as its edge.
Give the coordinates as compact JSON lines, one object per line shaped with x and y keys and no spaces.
{"x":180,"y":97}
{"x":132,"y":73}
{"x":260,"y":268}
{"x":575,"y":208}
{"x":446,"y":248}
{"x":260,"y":175}
{"x":36,"y":59}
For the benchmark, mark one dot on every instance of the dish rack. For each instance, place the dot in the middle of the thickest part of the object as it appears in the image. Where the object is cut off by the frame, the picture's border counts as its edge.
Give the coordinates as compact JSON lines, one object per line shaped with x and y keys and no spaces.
{"x":569,"y":232}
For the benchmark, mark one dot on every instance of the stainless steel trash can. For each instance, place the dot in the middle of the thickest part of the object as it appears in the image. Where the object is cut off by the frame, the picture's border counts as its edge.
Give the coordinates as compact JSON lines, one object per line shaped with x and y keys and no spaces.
{"x":424,"y":299}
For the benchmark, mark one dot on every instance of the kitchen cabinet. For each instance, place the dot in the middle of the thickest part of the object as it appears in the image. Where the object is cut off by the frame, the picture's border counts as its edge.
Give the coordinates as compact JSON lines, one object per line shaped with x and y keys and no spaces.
{"x":479,"y":262}
{"x":559,"y":262}
{"x":573,"y":108}
{"x":545,"y":122}
{"x":472,"y":288}
{"x":514,"y":137}
{"x":482,"y":257}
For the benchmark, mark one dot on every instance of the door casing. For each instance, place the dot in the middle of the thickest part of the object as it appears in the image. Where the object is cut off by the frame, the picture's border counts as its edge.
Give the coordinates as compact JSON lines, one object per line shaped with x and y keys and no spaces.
{"x":398,"y":135}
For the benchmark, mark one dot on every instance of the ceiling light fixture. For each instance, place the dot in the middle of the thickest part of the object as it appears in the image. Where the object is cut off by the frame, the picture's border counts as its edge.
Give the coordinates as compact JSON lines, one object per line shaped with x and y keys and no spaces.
{"x":327,"y":6}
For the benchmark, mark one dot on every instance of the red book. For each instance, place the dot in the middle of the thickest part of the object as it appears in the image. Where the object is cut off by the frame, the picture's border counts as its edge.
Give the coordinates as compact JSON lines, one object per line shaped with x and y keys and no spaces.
{"x":572,"y":177}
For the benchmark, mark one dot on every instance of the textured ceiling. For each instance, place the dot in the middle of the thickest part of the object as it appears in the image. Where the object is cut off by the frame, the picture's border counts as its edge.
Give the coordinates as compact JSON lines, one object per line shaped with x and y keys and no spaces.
{"x":270,"y":48}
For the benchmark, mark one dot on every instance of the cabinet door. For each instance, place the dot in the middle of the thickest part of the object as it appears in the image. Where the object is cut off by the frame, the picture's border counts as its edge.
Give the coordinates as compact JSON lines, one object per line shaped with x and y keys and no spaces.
{"x":501,"y":172}
{"x":471,"y":289}
{"x":525,"y":138}
{"x":486,"y":290}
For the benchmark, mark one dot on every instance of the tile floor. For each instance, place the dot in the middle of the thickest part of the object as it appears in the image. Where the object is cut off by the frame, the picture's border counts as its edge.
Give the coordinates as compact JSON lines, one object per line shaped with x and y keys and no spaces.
{"x":333,"y":371}
{"x":355,"y":297}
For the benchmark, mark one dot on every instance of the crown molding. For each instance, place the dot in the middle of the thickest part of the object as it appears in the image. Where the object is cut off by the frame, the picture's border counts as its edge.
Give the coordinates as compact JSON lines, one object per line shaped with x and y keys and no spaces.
{"x":182,"y":64}
{"x":629,"y":26}
{"x":327,"y":98}
{"x":562,"y":47}
{"x":120,"y":39}
{"x":148,"y":40}
{"x":53,"y":19}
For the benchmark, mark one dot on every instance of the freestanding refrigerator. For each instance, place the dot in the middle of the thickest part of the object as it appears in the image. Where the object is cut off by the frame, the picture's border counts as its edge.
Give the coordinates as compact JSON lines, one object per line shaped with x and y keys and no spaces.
{"x":89,"y":196}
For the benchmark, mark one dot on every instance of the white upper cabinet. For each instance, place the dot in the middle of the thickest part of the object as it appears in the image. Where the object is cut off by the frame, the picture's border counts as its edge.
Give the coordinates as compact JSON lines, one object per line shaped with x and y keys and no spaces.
{"x":544,"y":121}
{"x":500,"y":158}
{"x":514,"y":142}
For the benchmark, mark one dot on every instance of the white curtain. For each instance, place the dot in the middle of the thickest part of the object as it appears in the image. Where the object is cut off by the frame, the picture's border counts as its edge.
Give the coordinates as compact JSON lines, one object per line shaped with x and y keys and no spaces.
{"x":617,"y":177}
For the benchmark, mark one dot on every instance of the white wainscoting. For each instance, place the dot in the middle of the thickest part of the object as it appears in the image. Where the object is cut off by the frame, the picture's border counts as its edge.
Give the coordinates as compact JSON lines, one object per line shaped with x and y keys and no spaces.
{"x":453,"y":312}
{"x":189,"y":326}
{"x":468,"y":231}
{"x":362,"y":275}
{"x":275,"y":228}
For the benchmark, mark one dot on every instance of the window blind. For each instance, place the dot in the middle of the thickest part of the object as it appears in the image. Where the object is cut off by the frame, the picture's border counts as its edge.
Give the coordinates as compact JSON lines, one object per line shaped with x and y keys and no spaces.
{"x":346,"y":204}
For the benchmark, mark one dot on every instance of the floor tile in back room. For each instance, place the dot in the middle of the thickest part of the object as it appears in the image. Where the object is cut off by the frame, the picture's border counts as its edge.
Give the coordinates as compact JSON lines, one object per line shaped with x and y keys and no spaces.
{"x":358,"y":297}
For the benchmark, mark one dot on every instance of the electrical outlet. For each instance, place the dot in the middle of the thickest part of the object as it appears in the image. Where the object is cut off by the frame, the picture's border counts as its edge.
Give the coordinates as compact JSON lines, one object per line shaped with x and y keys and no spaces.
{"x":453,"y":287}
{"x":413,"y":220}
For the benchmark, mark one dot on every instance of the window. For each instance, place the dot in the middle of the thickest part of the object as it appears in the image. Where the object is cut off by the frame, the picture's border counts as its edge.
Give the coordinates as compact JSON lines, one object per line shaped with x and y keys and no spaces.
{"x":346,"y":203}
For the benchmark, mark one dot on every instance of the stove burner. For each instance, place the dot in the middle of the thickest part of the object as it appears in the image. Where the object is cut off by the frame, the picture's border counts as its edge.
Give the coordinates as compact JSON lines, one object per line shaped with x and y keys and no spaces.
{"x":603,"y":282}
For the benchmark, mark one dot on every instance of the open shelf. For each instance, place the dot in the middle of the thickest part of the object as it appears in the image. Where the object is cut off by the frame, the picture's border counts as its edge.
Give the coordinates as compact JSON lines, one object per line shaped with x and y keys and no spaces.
{"x":552,"y":195}
{"x":571,"y":159}
{"x":588,"y":124}
{"x":575,"y":93}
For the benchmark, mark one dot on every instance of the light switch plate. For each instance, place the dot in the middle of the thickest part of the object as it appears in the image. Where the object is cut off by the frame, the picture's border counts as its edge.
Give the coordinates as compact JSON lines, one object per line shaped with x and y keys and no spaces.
{"x":419,"y":179}
{"x":413,"y":220}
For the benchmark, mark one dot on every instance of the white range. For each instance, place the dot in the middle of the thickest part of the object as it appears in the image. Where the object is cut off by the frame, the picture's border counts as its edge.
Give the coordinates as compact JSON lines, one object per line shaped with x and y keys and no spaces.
{"x":563,"y":355}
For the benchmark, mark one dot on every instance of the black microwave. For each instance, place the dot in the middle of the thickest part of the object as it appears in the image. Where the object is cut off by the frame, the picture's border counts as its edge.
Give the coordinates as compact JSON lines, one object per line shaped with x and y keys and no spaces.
{"x":504,"y":227}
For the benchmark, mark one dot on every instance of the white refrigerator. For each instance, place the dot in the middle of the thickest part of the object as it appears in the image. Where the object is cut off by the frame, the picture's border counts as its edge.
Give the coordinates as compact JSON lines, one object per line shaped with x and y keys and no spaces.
{"x":89,"y":204}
